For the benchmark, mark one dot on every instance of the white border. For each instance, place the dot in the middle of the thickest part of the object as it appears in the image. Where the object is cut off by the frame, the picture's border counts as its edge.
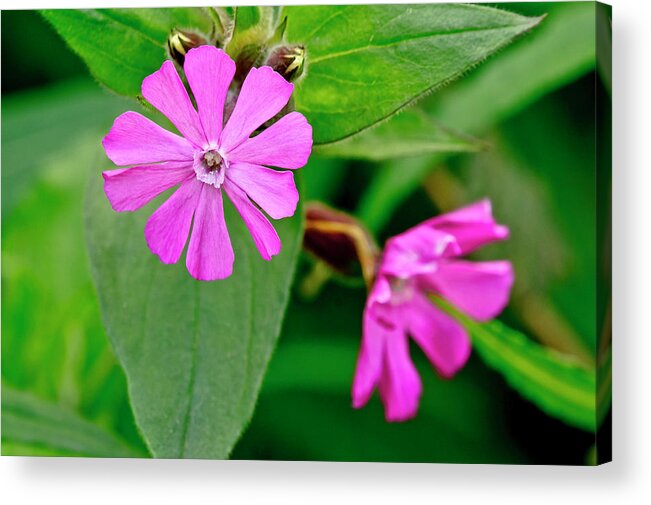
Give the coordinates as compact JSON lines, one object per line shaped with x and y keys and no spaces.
{"x":627,"y":480}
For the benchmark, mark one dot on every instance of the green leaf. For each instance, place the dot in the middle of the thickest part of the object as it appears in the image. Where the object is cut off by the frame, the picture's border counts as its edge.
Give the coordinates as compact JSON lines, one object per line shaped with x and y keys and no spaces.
{"x":33,"y":426}
{"x":509,"y":83}
{"x":194,"y":352}
{"x":51,"y":118}
{"x":409,"y":133}
{"x":247,"y":17}
{"x":253,"y":27}
{"x":366,"y":62}
{"x":556,"y":383}
{"x":53,"y":343}
{"x":524,"y":73}
{"x":123,"y":46}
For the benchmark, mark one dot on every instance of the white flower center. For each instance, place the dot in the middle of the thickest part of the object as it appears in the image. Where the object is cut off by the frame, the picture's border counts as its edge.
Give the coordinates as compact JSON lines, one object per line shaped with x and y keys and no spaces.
{"x":210,"y":167}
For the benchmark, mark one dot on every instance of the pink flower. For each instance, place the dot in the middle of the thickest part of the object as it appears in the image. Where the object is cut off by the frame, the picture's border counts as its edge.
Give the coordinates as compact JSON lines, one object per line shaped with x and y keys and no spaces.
{"x":420,"y":262}
{"x":209,"y":158}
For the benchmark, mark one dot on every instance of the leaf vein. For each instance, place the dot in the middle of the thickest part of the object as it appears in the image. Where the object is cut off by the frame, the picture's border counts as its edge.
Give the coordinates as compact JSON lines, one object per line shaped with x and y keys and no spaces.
{"x":116,"y":19}
{"x":395,"y":42}
{"x":193,"y":372}
{"x":326,"y":21}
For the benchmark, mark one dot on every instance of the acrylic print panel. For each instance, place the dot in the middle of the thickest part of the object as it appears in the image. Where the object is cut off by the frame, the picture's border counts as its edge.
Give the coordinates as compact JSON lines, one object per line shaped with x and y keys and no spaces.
{"x":342,"y":233}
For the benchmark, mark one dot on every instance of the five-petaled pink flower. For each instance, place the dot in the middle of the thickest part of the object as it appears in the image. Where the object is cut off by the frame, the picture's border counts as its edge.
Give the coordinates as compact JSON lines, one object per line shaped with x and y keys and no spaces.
{"x":209,"y":157}
{"x":420,"y":262}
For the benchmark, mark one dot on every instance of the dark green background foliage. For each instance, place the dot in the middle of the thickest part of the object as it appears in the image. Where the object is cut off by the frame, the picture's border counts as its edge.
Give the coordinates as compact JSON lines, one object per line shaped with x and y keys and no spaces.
{"x":82,"y":374}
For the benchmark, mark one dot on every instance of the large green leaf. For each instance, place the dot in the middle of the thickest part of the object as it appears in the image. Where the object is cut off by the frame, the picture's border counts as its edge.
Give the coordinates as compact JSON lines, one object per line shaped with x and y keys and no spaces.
{"x":558,"y":384}
{"x":122,"y":46}
{"x":366,"y":62}
{"x":516,"y":78}
{"x":194,"y":353}
{"x":410,"y":133}
{"x":34,"y":426}
{"x":53,"y":343}
{"x":50,"y":118}
{"x":531,"y":67}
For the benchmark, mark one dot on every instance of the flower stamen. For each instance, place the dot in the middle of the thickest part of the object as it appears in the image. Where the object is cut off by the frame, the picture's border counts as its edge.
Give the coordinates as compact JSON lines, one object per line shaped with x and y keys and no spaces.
{"x":212,"y":159}
{"x":210,"y":167}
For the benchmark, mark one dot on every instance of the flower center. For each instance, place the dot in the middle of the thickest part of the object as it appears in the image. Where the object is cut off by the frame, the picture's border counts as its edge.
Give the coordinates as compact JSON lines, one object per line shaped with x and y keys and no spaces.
{"x":402,"y":290}
{"x":212,"y":159}
{"x":210,"y":167}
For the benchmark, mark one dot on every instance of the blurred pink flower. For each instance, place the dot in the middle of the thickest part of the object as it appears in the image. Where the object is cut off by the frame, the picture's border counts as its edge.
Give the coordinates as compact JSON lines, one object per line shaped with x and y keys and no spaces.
{"x":208,"y":158}
{"x":420,"y":262}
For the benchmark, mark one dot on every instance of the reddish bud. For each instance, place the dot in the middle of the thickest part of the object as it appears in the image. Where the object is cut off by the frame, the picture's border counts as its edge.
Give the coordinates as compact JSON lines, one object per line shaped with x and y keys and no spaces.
{"x":340,"y":241}
{"x":288,"y":60}
{"x":180,"y":42}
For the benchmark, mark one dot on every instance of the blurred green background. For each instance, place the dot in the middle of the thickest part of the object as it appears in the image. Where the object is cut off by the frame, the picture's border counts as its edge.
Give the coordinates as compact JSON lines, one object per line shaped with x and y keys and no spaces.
{"x":65,"y":394}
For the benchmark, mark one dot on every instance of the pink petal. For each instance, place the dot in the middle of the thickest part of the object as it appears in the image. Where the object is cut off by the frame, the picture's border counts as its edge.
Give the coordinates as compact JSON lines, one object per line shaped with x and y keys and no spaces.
{"x":400,"y":386}
{"x":442,"y":338}
{"x":167,"y":229}
{"x":381,"y":292}
{"x":165,"y":91}
{"x":370,"y":359}
{"x":210,"y":254}
{"x":209,"y":72}
{"x":472,"y":226}
{"x":264,"y":235}
{"x":134,"y":139}
{"x":264,"y":93}
{"x":272,"y":190}
{"x":130,"y":188}
{"x":417,"y":251}
{"x":285,"y":144}
{"x":480,"y":289}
